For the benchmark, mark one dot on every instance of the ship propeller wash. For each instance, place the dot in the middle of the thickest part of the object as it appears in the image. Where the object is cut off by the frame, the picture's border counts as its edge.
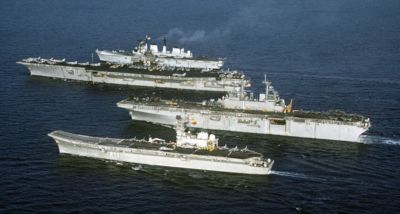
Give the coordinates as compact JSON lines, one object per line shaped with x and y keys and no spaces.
{"x":241,"y":112}
{"x":190,"y":151}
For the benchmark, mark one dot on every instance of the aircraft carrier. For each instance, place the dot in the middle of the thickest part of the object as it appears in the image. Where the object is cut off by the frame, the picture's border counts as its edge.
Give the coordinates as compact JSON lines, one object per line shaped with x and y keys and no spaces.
{"x":145,"y":67}
{"x":190,"y":151}
{"x":150,"y":55}
{"x":242,"y":112}
{"x":214,"y":81}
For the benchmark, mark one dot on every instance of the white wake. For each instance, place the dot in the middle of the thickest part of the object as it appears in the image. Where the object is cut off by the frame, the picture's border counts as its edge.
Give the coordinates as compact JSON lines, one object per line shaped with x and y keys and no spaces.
{"x":368,"y":139}
{"x":296,"y":175}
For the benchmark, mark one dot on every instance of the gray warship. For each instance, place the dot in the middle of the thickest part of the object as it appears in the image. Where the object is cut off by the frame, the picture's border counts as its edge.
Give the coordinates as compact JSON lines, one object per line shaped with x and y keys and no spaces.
{"x":240,"y":111}
{"x":190,"y":151}
{"x":145,"y":67}
{"x":149,"y":55}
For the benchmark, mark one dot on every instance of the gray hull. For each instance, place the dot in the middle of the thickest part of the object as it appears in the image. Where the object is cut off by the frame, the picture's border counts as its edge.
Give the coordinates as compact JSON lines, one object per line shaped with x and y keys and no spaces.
{"x":87,"y":146}
{"x":186,"y":63}
{"x":248,"y":123}
{"x":132,"y":79}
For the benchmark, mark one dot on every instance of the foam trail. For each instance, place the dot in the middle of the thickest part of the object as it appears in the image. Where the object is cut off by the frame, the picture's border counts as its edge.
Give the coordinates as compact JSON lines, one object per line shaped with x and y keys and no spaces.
{"x":295,"y":73}
{"x":296,"y":175}
{"x":368,"y":139}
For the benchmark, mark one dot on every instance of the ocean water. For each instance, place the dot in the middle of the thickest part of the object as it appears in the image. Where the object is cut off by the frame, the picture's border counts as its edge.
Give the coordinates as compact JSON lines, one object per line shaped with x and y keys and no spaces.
{"x":342,"y":54}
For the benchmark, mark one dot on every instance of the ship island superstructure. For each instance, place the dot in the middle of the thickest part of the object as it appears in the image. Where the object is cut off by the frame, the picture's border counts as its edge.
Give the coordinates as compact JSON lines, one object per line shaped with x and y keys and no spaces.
{"x":190,"y":151}
{"x":137,"y":75}
{"x":149,"y":55}
{"x":243,"y":100}
{"x":266,"y":115}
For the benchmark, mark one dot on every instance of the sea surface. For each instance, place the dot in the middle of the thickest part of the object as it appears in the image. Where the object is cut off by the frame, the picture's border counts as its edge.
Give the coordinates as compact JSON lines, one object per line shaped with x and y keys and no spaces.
{"x":342,"y":54}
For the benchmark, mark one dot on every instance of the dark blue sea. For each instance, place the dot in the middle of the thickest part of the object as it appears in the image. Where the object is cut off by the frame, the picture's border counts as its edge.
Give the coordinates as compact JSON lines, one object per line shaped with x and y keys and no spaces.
{"x":342,"y":54}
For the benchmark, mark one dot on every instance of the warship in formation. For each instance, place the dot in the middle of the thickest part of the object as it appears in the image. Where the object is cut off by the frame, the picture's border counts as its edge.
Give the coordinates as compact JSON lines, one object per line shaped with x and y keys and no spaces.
{"x":190,"y":151}
{"x":149,"y":54}
{"x":145,"y":67}
{"x":240,"y":111}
